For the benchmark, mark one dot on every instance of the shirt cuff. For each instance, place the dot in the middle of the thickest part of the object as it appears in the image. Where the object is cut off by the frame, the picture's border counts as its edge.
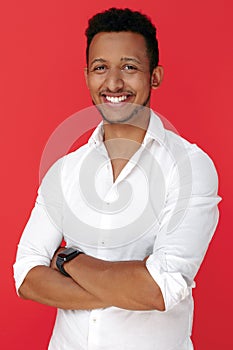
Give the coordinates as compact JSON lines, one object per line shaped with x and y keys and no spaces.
{"x":172,"y":284}
{"x":23,"y":266}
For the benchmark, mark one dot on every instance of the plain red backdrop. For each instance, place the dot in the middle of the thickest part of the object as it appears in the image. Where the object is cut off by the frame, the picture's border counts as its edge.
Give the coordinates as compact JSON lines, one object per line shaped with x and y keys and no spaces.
{"x":42,"y":59}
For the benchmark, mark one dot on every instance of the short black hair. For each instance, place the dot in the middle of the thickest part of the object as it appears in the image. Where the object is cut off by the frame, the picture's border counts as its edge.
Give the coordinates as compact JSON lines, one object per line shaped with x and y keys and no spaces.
{"x":125,"y":20}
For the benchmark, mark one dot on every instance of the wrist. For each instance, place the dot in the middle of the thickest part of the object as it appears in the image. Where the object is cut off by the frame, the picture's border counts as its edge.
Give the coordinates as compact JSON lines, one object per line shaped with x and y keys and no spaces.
{"x":70,"y":265}
{"x":66,"y":256}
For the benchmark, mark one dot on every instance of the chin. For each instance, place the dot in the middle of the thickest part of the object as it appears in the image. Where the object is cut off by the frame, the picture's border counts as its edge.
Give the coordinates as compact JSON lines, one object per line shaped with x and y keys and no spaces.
{"x":120,"y":114}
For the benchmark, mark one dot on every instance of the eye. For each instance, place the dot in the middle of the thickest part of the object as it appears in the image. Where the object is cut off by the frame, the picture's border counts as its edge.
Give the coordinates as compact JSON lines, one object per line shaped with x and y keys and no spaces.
{"x":129,"y":67}
{"x":100,"y":69}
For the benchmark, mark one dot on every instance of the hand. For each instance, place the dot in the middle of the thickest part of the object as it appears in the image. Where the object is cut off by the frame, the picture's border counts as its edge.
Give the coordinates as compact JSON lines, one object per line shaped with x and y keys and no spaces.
{"x":54,"y":259}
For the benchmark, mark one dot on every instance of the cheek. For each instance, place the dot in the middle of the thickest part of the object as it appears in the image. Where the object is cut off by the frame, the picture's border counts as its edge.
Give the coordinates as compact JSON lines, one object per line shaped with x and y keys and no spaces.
{"x":95,"y":86}
{"x":143,"y":86}
{"x":94,"y":83}
{"x":140,"y":83}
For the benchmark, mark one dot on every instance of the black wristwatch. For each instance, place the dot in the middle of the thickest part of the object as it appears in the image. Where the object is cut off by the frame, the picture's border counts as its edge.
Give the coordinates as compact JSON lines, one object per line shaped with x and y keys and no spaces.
{"x":64,"y":256}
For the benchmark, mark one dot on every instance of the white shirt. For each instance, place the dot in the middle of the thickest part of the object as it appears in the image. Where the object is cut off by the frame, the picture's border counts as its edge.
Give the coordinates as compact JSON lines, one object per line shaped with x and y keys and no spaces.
{"x":163,"y":204}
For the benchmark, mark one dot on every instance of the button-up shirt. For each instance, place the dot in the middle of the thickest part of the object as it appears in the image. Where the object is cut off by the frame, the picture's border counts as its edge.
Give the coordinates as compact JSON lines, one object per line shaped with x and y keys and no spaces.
{"x":162,"y":205}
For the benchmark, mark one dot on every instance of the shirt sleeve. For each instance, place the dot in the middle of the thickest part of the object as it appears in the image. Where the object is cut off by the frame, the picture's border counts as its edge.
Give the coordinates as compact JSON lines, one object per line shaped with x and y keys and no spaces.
{"x":187,"y":225}
{"x":43,"y":232}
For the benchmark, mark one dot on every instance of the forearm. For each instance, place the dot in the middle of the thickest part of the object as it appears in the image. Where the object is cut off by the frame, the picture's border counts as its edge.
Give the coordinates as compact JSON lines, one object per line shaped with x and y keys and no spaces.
{"x":47,"y":286}
{"x":125,"y":284}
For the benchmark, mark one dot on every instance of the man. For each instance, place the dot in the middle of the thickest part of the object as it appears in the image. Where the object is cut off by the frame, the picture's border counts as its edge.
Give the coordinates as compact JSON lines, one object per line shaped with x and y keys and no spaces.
{"x":136,"y":206}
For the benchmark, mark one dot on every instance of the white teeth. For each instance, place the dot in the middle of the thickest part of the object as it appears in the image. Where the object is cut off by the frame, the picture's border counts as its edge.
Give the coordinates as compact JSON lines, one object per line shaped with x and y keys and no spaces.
{"x":116,"y":99}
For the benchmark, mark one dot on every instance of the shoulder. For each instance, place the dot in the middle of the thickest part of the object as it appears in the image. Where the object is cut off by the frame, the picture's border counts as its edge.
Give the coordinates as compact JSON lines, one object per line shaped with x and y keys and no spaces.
{"x":63,"y":167}
{"x":192,"y":163}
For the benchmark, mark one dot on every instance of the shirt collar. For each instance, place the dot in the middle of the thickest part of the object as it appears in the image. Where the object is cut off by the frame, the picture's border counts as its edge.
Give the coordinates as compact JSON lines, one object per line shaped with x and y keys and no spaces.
{"x":155,"y":132}
{"x":96,"y":137}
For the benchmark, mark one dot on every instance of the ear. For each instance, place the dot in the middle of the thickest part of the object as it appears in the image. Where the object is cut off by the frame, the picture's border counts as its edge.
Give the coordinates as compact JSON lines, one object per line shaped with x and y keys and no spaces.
{"x":86,"y":76}
{"x":157,"y":77}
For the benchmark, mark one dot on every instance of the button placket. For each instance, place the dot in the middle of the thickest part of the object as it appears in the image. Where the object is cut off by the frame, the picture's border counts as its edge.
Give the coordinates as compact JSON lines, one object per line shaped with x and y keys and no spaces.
{"x":93,"y":339}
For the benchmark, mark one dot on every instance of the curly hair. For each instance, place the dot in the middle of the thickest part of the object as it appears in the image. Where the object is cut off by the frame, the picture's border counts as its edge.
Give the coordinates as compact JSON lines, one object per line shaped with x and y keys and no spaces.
{"x":125,"y":20}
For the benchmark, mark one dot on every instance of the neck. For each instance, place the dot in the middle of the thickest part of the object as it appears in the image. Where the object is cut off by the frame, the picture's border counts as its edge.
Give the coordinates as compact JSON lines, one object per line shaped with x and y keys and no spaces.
{"x":123,"y":140}
{"x":134,"y":130}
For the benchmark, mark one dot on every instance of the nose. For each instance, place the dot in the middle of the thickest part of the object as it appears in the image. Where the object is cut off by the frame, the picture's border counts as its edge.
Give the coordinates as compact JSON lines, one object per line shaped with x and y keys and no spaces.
{"x":114,"y":81}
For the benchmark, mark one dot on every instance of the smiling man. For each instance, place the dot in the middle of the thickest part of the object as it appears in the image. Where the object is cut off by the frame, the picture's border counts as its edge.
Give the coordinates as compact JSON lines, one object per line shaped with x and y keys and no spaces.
{"x":136,"y":206}
{"x":119,"y":72}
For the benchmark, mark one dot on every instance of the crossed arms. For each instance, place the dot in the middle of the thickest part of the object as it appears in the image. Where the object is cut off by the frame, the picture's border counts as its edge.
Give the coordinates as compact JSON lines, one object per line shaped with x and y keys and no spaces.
{"x":94,"y":284}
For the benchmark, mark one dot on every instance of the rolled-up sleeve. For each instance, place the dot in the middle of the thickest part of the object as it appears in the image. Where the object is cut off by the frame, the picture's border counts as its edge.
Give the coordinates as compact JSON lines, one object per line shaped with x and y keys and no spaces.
{"x":187,"y":225}
{"x":43,"y":232}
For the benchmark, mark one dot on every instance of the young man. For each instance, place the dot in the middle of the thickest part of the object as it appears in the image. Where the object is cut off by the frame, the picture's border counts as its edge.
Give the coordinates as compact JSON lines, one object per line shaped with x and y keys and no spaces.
{"x":137,"y":207}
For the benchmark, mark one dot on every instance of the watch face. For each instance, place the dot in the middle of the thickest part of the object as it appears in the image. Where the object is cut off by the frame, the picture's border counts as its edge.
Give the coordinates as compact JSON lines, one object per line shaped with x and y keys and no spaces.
{"x":70,"y":252}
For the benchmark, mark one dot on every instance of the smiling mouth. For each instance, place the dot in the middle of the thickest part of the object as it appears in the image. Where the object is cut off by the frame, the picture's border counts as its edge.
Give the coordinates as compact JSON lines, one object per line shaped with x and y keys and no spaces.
{"x":116,"y":99}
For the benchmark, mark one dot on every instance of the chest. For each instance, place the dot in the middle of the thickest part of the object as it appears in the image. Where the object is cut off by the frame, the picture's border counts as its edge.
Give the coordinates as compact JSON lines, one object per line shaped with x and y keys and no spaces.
{"x":113,"y":220}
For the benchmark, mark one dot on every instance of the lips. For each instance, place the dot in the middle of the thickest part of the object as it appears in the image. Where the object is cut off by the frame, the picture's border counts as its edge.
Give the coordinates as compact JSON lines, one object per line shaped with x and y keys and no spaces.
{"x":116,"y":99}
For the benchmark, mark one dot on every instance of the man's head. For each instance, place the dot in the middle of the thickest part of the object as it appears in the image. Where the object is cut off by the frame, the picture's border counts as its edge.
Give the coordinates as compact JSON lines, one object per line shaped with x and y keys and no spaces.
{"x":122,"y":63}
{"x":125,"y":20}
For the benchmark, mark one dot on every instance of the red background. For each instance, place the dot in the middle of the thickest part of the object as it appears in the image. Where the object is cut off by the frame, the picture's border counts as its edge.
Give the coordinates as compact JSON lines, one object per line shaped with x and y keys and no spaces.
{"x":42,"y":59}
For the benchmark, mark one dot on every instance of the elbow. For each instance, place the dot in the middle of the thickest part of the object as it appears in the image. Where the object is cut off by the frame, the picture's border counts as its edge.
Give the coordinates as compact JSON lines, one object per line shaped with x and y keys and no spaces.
{"x":158,"y":301}
{"x":24,"y":291}
{"x":21,"y":292}
{"x":161,"y":307}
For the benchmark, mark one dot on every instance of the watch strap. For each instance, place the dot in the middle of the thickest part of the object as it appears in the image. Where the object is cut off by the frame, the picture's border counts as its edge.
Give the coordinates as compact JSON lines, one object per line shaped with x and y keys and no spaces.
{"x":61,"y":260}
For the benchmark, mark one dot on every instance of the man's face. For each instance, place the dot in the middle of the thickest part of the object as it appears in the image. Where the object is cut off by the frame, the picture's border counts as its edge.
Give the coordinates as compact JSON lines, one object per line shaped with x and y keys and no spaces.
{"x":118,"y":74}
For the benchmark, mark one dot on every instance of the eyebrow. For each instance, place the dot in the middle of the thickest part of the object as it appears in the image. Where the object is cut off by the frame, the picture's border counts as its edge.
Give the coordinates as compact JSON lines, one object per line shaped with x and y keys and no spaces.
{"x":123,"y":59}
{"x":131,"y":59}
{"x":101,"y":60}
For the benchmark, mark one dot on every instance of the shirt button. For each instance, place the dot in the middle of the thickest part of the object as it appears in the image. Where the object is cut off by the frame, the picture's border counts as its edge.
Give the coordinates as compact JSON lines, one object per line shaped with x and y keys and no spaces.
{"x":94,"y":320}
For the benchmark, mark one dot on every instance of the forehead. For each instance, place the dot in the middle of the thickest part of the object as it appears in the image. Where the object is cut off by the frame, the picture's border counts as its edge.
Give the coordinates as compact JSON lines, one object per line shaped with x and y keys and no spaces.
{"x":118,"y":44}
